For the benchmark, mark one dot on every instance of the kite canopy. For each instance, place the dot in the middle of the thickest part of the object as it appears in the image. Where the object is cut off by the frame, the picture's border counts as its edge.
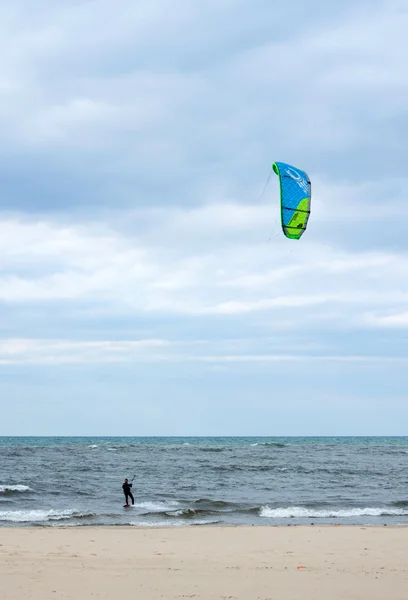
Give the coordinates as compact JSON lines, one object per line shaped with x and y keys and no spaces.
{"x":295,"y":195}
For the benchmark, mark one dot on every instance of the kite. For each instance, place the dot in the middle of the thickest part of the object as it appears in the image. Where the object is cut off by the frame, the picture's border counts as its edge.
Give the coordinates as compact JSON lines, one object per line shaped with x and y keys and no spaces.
{"x":295,"y":196}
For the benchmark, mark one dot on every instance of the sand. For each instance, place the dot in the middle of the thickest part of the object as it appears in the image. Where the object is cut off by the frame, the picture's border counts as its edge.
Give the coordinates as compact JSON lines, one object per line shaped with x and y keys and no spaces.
{"x":260,"y":563}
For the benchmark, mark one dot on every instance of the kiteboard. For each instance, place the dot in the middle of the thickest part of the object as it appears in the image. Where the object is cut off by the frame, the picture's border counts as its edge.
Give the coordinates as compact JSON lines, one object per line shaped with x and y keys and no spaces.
{"x":126,"y":506}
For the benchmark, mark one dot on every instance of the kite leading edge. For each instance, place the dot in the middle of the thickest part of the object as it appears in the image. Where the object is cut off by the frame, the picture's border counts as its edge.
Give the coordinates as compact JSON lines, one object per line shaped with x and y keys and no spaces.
{"x":295,"y":196}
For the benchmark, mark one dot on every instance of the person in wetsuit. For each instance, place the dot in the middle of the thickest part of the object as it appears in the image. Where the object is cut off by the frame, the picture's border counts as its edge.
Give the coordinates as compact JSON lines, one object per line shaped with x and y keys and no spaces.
{"x":128,"y":494}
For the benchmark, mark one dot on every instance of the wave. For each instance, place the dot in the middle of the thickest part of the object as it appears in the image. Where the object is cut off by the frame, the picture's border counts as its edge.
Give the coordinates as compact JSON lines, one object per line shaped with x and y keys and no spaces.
{"x":37,"y":515}
{"x":199,"y":508}
{"x":157,"y":507}
{"x":202,"y":512}
{"x":270,"y":444}
{"x":177,"y":523}
{"x":214,"y":503}
{"x":293,"y":512}
{"x":14,"y":489}
{"x":246,"y":468}
{"x":184,"y":513}
{"x":300,"y":512}
{"x":273,"y":444}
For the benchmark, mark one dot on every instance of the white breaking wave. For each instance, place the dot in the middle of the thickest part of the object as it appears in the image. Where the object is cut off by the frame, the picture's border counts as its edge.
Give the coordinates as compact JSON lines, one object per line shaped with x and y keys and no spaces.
{"x":175,"y":523}
{"x":157,"y":506}
{"x":36,"y":516}
{"x":14,"y":488}
{"x":293,"y":512}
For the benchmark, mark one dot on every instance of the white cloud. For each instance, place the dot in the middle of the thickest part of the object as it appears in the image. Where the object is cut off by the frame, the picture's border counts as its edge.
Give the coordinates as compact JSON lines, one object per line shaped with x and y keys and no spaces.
{"x":29,"y":351}
{"x":127,"y":84}
{"x":399,"y":320}
{"x":205,"y":261}
{"x":68,"y":352}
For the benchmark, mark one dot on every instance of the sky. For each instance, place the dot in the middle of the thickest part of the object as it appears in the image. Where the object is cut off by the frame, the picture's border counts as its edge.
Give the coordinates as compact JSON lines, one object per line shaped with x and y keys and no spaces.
{"x":146,"y":287}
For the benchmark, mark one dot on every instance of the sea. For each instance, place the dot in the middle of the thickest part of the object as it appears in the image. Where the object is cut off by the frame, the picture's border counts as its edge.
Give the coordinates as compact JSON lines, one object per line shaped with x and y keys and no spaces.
{"x":195,"y":481}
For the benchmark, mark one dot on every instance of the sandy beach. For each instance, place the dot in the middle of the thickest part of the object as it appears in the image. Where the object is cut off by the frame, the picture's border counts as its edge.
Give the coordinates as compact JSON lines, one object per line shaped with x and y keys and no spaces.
{"x":260,"y":563}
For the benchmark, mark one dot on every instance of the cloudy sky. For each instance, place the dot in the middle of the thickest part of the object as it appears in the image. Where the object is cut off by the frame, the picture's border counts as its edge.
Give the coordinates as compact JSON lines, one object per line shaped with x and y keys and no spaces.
{"x":146,"y":287}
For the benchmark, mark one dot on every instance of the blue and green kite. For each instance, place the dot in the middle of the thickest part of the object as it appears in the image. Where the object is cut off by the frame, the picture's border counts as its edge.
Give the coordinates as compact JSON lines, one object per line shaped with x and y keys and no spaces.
{"x":295,"y":197}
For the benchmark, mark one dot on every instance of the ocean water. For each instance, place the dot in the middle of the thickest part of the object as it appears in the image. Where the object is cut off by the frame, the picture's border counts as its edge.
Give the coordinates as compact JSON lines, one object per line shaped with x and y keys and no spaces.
{"x":198,"y":481}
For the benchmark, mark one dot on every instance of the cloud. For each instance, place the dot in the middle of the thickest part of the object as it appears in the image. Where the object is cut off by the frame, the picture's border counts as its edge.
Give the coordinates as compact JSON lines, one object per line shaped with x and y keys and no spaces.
{"x":134,"y":147}
{"x":399,"y":320}
{"x":154,"y":113}
{"x":30,"y":351}
{"x":207,"y":260}
{"x":67,"y":352}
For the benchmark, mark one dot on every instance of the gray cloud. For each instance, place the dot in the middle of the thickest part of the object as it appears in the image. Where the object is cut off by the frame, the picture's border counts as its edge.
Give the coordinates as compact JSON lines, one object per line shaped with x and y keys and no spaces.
{"x":150,"y":129}
{"x":134,"y":146}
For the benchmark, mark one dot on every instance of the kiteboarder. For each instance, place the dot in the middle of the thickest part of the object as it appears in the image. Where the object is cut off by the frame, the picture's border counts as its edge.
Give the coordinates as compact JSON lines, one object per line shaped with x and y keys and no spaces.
{"x":128,"y":494}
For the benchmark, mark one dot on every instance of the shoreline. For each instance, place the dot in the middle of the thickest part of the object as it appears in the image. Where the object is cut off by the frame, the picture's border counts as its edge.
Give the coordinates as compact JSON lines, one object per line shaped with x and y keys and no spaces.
{"x":208,"y":526}
{"x":204,"y":526}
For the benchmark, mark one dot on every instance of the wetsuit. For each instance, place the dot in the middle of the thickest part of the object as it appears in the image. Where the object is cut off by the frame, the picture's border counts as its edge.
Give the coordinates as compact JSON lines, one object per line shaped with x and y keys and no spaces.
{"x":128,"y":494}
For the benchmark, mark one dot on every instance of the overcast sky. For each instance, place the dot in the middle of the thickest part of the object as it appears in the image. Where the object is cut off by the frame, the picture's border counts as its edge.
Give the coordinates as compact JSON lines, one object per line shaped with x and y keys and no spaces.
{"x":146,"y":287}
